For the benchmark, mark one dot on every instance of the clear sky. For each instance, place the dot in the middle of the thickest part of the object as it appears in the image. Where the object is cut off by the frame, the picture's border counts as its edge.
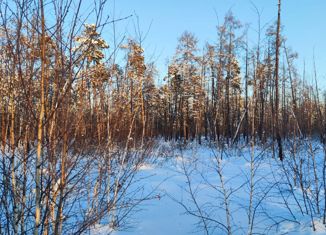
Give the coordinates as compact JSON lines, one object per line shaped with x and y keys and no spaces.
{"x":304,"y":24}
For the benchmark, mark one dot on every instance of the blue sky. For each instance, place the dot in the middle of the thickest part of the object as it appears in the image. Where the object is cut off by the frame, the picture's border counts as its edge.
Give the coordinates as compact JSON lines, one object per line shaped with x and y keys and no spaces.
{"x":303,"y":21}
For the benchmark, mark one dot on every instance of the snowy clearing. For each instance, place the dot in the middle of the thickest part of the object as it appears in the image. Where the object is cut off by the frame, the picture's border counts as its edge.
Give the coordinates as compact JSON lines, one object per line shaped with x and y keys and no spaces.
{"x":275,"y":208}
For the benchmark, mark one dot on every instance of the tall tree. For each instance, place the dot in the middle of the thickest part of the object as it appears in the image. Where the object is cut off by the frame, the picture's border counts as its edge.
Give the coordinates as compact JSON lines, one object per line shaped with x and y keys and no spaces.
{"x":277,"y":55}
{"x":40,"y":124}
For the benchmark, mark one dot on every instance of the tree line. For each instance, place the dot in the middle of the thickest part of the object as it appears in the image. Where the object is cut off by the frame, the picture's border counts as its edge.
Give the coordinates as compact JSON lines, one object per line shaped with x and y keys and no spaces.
{"x":210,"y":93}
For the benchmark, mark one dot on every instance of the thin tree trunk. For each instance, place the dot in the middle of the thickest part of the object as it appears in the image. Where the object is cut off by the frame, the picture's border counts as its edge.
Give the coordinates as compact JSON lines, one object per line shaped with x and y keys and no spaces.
{"x":12,"y":168}
{"x":276,"y":114}
{"x":40,"y":128}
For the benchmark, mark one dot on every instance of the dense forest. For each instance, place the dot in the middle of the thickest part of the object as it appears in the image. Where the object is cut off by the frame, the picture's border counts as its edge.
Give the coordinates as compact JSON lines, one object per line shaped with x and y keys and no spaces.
{"x":75,"y":125}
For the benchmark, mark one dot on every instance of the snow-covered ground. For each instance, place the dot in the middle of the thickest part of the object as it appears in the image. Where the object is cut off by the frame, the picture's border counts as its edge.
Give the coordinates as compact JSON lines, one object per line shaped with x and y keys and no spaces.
{"x":189,"y":179}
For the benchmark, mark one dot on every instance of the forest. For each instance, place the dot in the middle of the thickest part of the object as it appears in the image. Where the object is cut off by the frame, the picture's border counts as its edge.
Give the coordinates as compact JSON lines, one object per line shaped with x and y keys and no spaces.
{"x":78,"y":128}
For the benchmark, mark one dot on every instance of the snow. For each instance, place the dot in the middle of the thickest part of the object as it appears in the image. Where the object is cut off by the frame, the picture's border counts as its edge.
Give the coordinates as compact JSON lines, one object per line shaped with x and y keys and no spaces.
{"x":164,"y":214}
{"x":146,"y":166}
{"x":304,"y":229}
{"x":160,"y":215}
